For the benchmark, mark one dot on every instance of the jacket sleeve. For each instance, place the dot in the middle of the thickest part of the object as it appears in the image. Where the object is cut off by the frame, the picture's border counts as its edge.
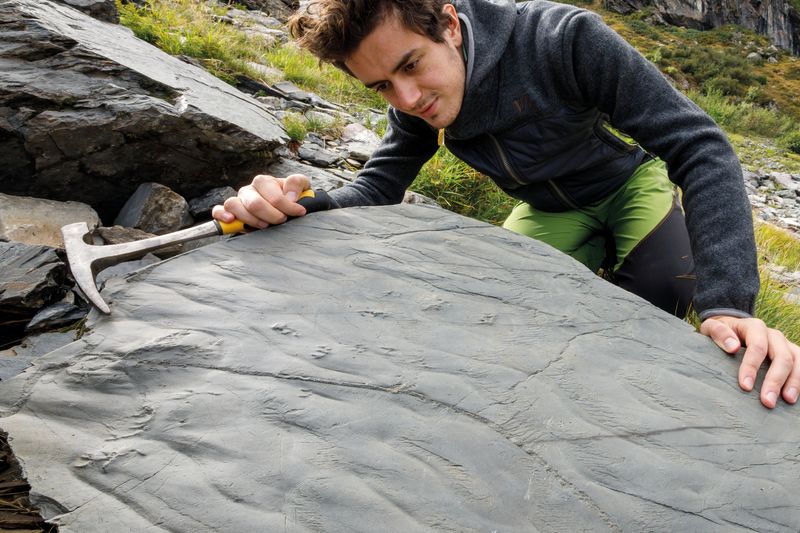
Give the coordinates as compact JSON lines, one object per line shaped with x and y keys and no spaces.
{"x":409,"y":142}
{"x":600,"y":68}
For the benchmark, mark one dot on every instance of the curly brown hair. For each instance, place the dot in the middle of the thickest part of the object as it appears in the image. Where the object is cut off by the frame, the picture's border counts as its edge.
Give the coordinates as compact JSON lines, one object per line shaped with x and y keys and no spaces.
{"x":333,"y":29}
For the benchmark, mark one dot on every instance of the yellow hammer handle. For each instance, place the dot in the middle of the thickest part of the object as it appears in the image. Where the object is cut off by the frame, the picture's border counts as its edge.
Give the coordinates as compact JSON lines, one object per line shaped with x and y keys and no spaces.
{"x":226,"y":228}
{"x":237,"y":226}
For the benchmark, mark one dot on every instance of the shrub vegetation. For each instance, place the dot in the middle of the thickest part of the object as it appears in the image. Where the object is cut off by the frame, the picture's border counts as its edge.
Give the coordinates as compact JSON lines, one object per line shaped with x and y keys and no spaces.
{"x":791,"y":141}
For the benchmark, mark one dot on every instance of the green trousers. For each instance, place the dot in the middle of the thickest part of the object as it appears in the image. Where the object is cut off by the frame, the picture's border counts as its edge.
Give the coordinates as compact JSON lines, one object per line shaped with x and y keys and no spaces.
{"x":637,"y":236}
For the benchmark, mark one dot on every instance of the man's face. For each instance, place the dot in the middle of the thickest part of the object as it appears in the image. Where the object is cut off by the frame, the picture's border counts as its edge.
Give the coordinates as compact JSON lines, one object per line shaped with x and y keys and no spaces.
{"x":414,"y":74}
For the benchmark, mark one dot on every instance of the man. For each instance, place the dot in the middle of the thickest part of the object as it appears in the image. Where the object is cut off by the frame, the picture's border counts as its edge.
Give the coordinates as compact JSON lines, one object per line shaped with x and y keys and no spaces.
{"x":522,"y":92}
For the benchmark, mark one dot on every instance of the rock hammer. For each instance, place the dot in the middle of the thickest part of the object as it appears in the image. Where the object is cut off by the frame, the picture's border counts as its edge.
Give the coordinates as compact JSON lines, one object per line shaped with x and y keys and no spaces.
{"x":86,"y":260}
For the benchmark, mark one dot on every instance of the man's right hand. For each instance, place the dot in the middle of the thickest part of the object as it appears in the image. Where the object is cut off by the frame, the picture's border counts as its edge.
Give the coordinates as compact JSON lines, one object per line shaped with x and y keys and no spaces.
{"x":267,"y":201}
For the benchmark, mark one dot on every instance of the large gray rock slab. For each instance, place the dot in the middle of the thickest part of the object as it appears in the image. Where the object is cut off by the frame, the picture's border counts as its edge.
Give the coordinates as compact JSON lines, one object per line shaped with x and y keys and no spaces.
{"x":394,"y":369}
{"x":89,"y":112}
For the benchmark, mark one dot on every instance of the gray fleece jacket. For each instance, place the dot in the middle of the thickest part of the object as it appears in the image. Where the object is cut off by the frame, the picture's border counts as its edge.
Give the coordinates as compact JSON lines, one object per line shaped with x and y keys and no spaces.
{"x":542,"y":81}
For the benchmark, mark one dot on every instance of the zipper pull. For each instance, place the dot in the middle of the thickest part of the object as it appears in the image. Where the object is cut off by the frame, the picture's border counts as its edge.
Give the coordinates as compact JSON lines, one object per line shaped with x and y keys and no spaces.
{"x":441,"y":137}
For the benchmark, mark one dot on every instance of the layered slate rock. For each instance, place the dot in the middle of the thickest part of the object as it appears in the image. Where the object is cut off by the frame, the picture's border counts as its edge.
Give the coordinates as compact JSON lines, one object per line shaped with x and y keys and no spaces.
{"x":105,"y":10}
{"x":88,"y":112}
{"x":281,"y":9}
{"x":778,"y":19}
{"x":394,"y":369}
{"x":31,"y":277}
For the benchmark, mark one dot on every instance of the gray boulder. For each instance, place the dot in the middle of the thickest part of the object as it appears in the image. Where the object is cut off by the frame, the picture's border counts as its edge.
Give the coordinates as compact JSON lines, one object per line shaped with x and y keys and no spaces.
{"x":31,"y":277}
{"x":789,"y":182}
{"x":280,"y":9}
{"x":38,"y":221}
{"x":320,"y":179}
{"x":202,"y":206}
{"x":55,"y":316}
{"x":394,"y":369}
{"x":155,"y":209}
{"x":330,"y":179}
{"x":318,"y":155}
{"x":91,"y":112}
{"x":360,"y":141}
{"x":754,"y":57}
{"x":105,"y":10}
{"x":258,"y":25}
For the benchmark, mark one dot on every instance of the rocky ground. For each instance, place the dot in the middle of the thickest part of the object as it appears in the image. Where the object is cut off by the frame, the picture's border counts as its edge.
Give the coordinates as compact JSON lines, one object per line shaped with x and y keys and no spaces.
{"x":775,"y":197}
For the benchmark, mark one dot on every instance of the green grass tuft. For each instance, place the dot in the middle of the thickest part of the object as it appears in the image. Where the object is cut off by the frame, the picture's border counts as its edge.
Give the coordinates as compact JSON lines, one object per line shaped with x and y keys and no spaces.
{"x":190,"y":28}
{"x":776,"y":310}
{"x":743,"y":117}
{"x":295,"y":126}
{"x":777,"y":246}
{"x":462,"y":189}
{"x":305,"y":70}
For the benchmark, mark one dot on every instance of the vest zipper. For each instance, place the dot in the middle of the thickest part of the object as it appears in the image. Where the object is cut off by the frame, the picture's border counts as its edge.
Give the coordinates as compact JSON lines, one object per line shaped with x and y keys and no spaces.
{"x":504,"y":160}
{"x":554,"y":189}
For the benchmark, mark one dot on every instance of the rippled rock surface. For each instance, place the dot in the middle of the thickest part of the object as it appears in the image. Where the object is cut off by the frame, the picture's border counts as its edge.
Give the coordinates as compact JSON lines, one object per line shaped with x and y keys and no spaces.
{"x":394,"y":369}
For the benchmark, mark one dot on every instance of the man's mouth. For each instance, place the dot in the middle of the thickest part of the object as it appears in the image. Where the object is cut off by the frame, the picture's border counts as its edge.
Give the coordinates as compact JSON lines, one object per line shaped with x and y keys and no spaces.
{"x":429,"y":109}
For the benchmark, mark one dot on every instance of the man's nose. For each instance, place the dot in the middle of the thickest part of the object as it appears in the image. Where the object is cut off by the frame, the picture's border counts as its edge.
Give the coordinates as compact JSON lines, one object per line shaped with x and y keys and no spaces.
{"x":407,"y":95}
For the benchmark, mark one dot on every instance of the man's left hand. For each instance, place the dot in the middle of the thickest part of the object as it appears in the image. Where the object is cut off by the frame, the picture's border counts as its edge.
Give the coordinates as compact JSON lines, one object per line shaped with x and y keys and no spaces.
{"x":783,"y":376}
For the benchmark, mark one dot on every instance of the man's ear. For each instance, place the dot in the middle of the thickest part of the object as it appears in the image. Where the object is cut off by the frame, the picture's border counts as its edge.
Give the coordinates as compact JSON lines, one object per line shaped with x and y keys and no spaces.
{"x":453,"y":30}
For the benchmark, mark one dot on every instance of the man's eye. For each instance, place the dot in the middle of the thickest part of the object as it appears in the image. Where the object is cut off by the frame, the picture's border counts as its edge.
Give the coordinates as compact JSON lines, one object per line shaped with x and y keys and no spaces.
{"x":411,"y":66}
{"x":381,"y":87}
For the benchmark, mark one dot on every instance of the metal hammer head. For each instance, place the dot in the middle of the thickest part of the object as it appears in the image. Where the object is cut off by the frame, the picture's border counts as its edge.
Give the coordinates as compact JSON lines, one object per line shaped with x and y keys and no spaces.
{"x":82,"y":262}
{"x":86,"y":260}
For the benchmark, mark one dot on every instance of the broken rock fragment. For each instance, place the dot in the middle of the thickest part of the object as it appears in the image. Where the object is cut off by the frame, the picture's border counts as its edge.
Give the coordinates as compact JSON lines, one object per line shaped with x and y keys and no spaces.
{"x":155,"y":209}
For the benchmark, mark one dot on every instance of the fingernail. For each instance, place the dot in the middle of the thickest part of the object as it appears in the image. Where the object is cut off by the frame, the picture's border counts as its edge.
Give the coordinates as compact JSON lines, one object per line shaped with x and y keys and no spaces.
{"x":772,"y":397}
{"x":792,"y":394}
{"x":292,"y":196}
{"x":748,"y":383}
{"x":731,"y":344}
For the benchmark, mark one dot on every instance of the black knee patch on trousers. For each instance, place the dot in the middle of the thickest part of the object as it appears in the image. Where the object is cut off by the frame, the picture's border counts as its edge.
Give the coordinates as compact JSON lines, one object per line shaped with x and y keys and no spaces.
{"x":660,"y":268}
